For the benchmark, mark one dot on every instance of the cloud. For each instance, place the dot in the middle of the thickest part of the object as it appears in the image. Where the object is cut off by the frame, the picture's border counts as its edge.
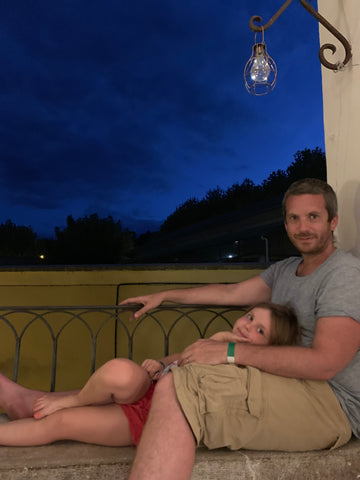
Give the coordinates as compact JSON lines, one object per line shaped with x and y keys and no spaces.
{"x":133,"y":107}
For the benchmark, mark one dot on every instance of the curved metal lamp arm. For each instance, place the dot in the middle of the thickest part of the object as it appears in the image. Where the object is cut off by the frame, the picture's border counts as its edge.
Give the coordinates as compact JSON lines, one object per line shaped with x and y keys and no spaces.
{"x":322,"y":20}
{"x":262,"y":28}
{"x":329,"y":46}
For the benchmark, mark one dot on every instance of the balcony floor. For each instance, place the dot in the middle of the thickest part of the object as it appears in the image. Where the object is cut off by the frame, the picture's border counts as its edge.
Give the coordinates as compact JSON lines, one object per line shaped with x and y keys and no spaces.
{"x":71,"y":460}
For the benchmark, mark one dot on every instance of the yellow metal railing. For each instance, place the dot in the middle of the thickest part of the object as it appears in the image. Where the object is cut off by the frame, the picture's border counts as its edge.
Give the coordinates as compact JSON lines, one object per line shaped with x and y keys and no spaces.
{"x":58,"y":347}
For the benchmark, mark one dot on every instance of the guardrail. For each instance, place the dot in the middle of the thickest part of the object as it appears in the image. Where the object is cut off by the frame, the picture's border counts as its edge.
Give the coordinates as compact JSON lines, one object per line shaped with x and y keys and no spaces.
{"x":168,"y":321}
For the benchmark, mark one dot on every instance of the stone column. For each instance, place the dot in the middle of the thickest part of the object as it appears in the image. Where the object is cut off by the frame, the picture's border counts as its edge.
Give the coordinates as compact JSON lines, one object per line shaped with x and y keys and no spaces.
{"x":341,"y":99}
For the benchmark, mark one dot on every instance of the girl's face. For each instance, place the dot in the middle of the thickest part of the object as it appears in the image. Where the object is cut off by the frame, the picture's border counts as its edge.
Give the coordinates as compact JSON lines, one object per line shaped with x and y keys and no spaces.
{"x":254,"y":326}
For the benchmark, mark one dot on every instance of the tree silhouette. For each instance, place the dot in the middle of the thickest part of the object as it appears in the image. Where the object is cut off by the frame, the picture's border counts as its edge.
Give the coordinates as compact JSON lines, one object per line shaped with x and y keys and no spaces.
{"x":306,"y":163}
{"x":17,"y":242}
{"x":90,"y":240}
{"x":239,"y":196}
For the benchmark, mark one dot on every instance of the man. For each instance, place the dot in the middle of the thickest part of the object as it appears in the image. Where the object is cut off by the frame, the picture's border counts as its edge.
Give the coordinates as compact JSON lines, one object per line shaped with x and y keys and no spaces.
{"x":286,"y":398}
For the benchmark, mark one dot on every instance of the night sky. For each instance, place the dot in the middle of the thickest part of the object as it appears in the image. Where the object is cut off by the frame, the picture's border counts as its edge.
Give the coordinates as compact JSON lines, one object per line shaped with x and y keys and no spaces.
{"x":130,"y":107}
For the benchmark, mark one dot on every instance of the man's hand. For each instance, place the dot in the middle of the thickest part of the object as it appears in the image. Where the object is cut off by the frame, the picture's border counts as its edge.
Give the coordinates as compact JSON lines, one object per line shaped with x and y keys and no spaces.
{"x":228,"y":337}
{"x":148,"y":301}
{"x":207,"y":351}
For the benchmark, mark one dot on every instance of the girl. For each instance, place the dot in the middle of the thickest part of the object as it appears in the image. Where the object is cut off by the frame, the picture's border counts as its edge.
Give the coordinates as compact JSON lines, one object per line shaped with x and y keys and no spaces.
{"x":112,"y":407}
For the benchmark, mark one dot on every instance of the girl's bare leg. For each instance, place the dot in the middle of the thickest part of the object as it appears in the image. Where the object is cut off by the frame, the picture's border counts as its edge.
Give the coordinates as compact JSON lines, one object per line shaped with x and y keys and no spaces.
{"x":17,"y":401}
{"x":120,"y":380}
{"x":102,"y":425}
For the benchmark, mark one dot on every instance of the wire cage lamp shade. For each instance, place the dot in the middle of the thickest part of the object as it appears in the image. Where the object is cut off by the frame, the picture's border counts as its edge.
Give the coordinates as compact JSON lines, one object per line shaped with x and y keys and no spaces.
{"x":260,"y":71}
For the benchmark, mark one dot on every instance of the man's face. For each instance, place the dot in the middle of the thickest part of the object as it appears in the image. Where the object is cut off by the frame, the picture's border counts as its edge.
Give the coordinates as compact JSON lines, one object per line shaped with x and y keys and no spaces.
{"x":307,"y":223}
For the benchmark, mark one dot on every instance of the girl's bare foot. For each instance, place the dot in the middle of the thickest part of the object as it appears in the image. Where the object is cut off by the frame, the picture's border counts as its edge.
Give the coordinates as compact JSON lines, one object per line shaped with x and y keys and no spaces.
{"x":48,"y":404}
{"x":16,"y":400}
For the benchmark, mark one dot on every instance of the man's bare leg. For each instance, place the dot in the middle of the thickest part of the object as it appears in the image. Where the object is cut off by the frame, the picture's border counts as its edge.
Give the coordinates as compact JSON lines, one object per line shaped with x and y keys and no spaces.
{"x":17,"y":401}
{"x":167,"y":446}
{"x":117,"y":381}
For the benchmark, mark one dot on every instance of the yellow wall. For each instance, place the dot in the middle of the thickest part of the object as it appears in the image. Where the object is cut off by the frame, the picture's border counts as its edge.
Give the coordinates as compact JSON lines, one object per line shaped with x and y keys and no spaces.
{"x":98,"y":286}
{"x":74,"y":286}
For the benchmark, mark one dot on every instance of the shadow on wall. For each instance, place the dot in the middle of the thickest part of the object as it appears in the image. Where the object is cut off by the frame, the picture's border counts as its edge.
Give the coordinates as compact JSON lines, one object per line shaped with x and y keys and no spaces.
{"x":349,"y":217}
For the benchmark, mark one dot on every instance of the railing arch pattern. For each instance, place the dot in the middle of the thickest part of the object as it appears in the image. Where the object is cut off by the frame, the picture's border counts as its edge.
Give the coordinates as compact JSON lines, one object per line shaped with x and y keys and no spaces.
{"x":169,"y":320}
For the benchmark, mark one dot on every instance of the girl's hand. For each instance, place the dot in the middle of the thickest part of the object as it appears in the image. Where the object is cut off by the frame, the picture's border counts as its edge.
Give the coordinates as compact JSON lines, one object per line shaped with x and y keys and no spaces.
{"x":153,"y":367}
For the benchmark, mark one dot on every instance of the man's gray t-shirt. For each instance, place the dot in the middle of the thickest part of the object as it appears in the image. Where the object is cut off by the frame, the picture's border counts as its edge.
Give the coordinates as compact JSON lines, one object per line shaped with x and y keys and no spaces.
{"x":332,"y":290}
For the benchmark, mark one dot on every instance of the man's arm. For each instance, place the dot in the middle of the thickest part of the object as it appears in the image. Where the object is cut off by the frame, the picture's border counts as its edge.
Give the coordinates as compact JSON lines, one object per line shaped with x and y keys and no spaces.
{"x":248,"y":292}
{"x":336,"y":341}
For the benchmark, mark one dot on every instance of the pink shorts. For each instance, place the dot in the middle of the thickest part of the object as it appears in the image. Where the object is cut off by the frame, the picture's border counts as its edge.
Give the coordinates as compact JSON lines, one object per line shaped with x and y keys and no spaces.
{"x":137,"y":413}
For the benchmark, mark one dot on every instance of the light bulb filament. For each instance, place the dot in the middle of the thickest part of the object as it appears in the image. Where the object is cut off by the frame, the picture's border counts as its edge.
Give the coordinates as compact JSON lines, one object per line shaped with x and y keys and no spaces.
{"x":260,"y":69}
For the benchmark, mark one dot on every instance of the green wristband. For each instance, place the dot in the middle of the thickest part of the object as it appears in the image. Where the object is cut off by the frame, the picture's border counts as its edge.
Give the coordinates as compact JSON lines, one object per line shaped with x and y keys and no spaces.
{"x":162,"y":364}
{"x":231,"y":352}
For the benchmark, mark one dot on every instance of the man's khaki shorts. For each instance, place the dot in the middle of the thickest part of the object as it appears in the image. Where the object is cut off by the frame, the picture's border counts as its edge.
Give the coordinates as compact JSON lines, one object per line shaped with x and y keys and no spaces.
{"x":242,"y":407}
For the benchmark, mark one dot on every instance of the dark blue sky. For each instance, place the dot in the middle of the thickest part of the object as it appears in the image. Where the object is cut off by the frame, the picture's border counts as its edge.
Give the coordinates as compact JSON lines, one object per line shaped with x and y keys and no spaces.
{"x":129,"y":107}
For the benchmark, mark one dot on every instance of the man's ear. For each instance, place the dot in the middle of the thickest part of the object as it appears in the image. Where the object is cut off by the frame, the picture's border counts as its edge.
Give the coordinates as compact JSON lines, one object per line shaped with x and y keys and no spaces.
{"x":334,"y":222}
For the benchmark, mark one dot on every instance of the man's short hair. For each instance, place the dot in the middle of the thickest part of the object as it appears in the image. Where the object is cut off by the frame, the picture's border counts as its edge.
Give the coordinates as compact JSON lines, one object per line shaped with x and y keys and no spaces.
{"x":313,"y":186}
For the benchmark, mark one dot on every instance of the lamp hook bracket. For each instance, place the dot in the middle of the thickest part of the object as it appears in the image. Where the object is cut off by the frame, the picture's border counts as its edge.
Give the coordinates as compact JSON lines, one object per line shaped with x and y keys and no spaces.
{"x":327,"y":46}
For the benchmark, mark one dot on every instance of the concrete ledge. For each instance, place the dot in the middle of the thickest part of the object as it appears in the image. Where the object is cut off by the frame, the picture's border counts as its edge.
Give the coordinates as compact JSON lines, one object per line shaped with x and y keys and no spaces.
{"x":71,"y":460}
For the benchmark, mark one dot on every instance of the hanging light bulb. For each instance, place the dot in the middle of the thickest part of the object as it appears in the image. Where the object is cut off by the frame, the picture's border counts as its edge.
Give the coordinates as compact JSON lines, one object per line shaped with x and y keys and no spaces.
{"x":260,"y":70}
